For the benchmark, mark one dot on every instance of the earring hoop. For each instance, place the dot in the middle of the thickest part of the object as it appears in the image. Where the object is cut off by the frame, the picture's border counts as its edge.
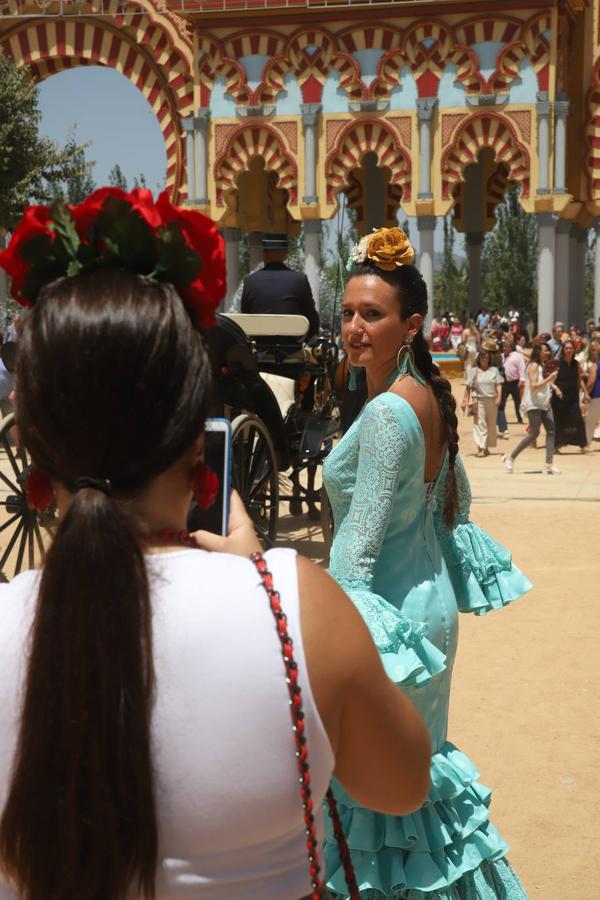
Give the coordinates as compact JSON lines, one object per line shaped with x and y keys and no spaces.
{"x":405,"y":358}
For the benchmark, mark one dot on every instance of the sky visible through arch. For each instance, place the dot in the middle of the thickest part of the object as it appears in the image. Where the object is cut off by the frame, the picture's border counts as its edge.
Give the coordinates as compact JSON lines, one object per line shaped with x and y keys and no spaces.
{"x":108,"y":110}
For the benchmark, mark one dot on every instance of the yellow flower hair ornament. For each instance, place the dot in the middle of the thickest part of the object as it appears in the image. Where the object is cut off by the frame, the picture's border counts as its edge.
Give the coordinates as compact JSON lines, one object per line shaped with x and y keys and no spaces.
{"x":387,"y":248}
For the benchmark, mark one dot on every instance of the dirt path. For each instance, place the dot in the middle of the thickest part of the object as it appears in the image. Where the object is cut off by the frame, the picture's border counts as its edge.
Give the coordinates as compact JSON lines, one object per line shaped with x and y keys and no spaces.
{"x":525,"y":693}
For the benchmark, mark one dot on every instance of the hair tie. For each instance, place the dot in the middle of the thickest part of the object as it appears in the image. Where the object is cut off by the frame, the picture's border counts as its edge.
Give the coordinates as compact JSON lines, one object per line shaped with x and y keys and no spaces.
{"x":97,"y":484}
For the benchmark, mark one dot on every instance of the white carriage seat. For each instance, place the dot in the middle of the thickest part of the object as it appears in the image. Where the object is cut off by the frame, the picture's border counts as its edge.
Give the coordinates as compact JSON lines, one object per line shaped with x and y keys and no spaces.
{"x":271,"y":324}
{"x":284,"y":390}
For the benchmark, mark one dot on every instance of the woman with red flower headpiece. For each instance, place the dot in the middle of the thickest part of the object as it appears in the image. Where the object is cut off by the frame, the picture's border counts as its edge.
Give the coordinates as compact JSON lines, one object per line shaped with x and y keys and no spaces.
{"x":146,"y":744}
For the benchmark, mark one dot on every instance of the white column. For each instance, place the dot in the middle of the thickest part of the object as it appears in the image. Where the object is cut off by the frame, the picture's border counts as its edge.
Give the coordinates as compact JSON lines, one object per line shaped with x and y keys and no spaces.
{"x":578,"y":240}
{"x":426,"y":228}
{"x":425,"y":108}
{"x":232,"y":237}
{"x":190,"y":158}
{"x":543,"y":120}
{"x":597,"y":272}
{"x":562,"y":271}
{"x":256,"y":249}
{"x":201,"y":128}
{"x":310,"y":117}
{"x":474,"y":243}
{"x":547,"y":247}
{"x":561,"y":111}
{"x":312,"y":255}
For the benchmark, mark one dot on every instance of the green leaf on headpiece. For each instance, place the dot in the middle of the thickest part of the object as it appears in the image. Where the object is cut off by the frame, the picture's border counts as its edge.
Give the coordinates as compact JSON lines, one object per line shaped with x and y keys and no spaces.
{"x":64,"y":228}
{"x":176,"y":262}
{"x":127,"y":237}
{"x":47,"y":260}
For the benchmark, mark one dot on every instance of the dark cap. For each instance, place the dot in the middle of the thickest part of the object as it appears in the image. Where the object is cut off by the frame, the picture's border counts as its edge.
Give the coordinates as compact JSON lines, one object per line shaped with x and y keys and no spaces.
{"x":274,"y":241}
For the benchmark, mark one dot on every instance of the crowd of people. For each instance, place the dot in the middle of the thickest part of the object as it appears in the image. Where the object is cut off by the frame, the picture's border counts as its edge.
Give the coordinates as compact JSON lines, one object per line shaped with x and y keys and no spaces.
{"x":174,"y":706}
{"x":550,"y":378}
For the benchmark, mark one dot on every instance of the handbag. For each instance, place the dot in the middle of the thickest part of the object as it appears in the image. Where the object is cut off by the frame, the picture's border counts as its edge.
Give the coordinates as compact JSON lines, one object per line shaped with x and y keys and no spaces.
{"x":297,"y":715}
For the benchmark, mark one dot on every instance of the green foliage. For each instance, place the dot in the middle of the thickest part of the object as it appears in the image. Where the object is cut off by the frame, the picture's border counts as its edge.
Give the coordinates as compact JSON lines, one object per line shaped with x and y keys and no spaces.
{"x":116,"y":178}
{"x":451,"y":282}
{"x":509,"y":259}
{"x":79,"y":182}
{"x":338,"y":236}
{"x":31,"y":167}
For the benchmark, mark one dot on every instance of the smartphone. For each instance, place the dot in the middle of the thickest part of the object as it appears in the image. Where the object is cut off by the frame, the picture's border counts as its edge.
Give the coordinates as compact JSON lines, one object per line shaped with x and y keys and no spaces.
{"x":217,"y":454}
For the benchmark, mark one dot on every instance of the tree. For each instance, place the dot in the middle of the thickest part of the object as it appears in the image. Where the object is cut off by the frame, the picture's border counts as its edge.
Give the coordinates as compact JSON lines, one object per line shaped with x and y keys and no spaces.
{"x":116,"y":178}
{"x":31,"y":167}
{"x":509,"y":259}
{"x":79,"y":182}
{"x":450,"y":286}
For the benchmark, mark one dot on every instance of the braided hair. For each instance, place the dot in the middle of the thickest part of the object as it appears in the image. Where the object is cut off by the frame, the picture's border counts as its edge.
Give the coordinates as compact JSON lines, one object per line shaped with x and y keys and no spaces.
{"x":412,"y":294}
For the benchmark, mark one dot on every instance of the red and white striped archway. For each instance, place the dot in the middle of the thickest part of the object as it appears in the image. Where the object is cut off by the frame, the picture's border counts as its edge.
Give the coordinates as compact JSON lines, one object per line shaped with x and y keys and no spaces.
{"x":255,"y":140}
{"x":359,"y":138}
{"x":485,"y":130}
{"x":147,"y":51}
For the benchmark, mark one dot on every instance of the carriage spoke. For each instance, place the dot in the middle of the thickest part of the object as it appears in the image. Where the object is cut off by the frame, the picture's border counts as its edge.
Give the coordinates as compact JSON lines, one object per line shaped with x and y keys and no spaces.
{"x":9,"y":522}
{"x":16,"y":488}
{"x":22,"y":546}
{"x":12,"y":458}
{"x":39,"y":539}
{"x":11,"y":544}
{"x":31,"y":547}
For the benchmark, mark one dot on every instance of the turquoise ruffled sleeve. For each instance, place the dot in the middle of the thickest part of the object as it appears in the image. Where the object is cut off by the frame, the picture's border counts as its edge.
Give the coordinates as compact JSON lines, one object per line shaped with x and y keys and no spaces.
{"x":482,"y":571}
{"x":408,"y":656}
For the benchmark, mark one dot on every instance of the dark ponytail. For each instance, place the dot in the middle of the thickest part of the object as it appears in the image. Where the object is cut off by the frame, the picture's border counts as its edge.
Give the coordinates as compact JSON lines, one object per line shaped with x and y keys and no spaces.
{"x":113,"y":384}
{"x":412,"y":292}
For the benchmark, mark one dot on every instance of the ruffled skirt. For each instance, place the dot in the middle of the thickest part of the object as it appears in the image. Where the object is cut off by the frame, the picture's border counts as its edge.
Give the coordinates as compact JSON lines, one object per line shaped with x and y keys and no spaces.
{"x":447,"y":850}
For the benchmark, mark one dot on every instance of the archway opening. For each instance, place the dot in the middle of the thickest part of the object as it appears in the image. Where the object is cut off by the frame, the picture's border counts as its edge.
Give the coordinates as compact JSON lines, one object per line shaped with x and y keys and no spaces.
{"x":107,"y":110}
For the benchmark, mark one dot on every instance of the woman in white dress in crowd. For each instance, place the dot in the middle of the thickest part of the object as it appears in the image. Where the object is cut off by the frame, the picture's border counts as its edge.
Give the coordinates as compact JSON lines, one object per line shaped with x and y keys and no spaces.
{"x":483,"y":391}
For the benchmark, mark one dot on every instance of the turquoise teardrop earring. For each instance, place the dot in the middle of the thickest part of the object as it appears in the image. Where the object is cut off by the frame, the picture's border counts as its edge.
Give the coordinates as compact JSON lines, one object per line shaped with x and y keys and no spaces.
{"x":405,"y":362}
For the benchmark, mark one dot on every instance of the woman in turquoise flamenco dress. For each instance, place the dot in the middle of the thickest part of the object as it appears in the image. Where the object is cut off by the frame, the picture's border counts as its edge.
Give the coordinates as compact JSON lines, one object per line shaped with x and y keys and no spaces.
{"x":406,"y":553}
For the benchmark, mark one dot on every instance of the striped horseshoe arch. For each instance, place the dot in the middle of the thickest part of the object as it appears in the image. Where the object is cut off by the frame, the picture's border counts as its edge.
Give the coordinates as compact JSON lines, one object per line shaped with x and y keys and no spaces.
{"x":154,"y":60}
{"x":248,"y":142}
{"x":367,"y":136}
{"x":477,"y":132}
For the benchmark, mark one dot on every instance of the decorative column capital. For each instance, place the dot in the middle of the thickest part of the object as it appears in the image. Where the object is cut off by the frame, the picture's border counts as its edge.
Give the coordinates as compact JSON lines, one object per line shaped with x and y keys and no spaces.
{"x":425,"y":108}
{"x":188,"y":124}
{"x":310,"y":113}
{"x":201,"y":119}
{"x":546,"y":219}
{"x":563,"y":226}
{"x":474,"y":238}
{"x":426,"y":223}
{"x":312,"y":226}
{"x":543,"y":105}
{"x":562,"y":108}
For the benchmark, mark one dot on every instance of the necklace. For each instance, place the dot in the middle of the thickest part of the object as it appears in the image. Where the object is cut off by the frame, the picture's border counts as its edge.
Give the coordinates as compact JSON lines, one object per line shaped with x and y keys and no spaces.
{"x":173,"y":536}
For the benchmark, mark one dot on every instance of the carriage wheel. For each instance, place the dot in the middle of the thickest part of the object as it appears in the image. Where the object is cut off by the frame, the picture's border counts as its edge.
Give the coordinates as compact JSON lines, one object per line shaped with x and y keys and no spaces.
{"x":255,"y":474}
{"x":24,"y":533}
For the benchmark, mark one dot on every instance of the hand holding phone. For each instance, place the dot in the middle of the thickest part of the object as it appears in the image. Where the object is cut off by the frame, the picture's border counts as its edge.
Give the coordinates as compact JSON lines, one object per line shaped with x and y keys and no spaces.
{"x":241,"y":539}
{"x":217,"y":455}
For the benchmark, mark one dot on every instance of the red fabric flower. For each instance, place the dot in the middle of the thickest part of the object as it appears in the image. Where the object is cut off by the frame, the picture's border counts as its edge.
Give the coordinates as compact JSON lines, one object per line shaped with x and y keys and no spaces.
{"x":34,"y":223}
{"x":205,"y":485}
{"x":38,"y":490}
{"x":139,"y":199}
{"x":200,"y":233}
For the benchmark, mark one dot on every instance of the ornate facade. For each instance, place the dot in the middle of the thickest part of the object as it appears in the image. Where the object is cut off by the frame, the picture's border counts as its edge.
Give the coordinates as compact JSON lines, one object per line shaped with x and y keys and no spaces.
{"x":270,"y":108}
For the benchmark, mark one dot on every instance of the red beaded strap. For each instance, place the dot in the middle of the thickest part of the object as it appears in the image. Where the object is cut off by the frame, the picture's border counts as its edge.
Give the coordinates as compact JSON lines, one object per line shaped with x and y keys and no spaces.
{"x":297,"y":714}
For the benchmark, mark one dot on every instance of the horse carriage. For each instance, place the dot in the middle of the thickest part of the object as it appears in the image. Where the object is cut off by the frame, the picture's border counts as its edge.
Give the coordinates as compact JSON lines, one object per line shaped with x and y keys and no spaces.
{"x":278,"y":393}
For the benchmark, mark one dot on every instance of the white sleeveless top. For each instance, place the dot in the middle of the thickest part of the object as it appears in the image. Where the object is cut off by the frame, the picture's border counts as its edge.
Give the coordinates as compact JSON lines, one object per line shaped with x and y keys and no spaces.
{"x":227,"y":793}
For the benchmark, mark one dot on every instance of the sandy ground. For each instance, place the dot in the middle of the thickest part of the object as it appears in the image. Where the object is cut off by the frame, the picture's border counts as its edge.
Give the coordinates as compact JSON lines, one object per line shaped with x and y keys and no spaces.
{"x":525,"y":693}
{"x":524,"y":704}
